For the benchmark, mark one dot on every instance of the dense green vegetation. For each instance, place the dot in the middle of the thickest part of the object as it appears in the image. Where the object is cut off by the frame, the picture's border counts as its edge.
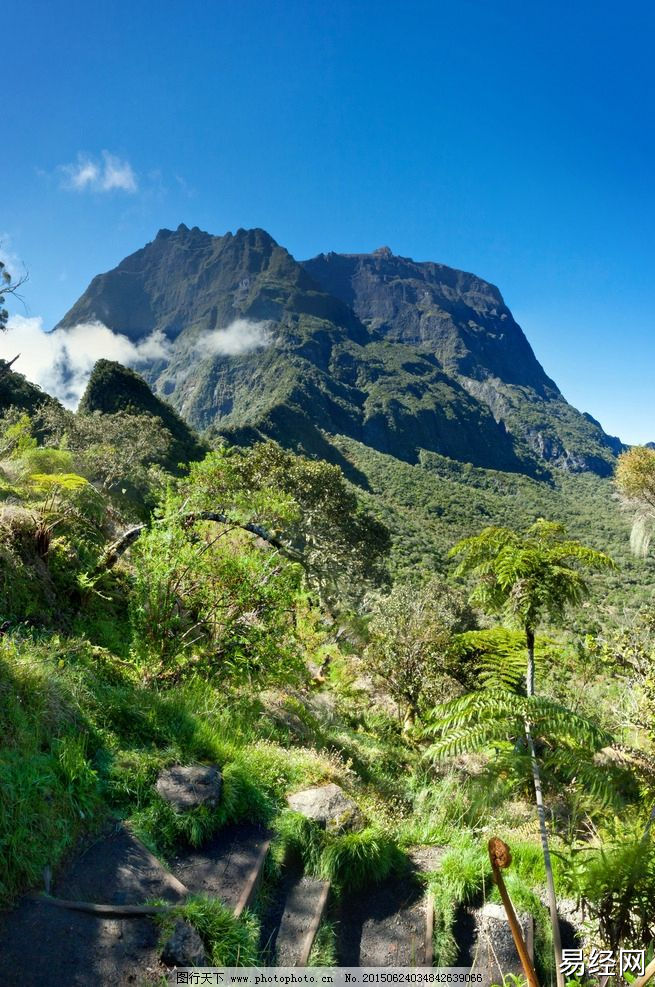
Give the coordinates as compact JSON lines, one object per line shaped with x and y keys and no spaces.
{"x":250,"y":621}
{"x":431,"y":505}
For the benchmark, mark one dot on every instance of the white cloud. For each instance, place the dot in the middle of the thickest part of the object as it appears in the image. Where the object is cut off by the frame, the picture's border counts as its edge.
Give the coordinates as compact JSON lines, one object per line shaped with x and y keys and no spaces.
{"x":241,"y":336}
{"x":61,"y":362}
{"x":104,"y":174}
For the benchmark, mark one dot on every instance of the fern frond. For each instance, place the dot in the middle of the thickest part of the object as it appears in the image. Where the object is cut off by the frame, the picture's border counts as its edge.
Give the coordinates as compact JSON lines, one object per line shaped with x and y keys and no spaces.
{"x":466,"y":741}
{"x":572,"y":766}
{"x":549,"y":719}
{"x":506,"y":670}
{"x":497,"y":704}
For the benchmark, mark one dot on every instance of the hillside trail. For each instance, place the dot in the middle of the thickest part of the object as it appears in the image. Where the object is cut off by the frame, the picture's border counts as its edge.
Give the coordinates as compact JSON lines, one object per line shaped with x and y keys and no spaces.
{"x":387,"y":925}
{"x":41,"y":943}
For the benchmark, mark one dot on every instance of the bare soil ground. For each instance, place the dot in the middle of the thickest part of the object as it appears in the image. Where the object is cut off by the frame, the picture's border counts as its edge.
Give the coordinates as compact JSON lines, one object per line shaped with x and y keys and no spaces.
{"x":44,"y":945}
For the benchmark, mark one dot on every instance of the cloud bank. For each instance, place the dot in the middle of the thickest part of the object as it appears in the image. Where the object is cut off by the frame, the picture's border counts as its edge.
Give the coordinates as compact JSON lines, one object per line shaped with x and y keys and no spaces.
{"x":61,"y":362}
{"x":104,"y":174}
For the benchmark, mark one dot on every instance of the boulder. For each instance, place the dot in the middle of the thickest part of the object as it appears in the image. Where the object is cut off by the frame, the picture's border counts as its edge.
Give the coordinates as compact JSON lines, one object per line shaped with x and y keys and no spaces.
{"x":329,"y":806}
{"x":188,"y":786}
{"x":184,"y":947}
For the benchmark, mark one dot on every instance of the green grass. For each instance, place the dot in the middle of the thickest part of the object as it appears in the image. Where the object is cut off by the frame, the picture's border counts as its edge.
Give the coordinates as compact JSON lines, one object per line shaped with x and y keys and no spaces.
{"x":465,"y":872}
{"x":351,"y":861}
{"x":324,"y":948}
{"x":228,"y":941}
{"x":82,"y":739}
{"x":354,"y":861}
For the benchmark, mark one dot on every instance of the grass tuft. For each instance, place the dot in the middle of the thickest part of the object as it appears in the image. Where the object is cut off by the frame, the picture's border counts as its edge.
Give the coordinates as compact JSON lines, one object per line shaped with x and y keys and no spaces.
{"x":228,"y":941}
{"x":356,"y":860}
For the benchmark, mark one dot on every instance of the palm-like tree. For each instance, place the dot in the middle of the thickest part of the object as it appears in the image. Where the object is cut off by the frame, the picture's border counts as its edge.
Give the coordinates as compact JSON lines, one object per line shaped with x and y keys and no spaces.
{"x":528,"y":579}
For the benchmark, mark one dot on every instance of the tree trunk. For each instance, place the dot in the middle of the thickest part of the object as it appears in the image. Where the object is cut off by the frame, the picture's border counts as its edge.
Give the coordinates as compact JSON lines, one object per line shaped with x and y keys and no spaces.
{"x":113,"y":552}
{"x":529,"y":675}
{"x":541,"y":813}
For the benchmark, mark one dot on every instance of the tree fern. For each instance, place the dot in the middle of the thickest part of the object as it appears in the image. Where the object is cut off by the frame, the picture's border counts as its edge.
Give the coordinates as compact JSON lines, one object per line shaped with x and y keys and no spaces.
{"x":493,"y":720}
{"x":527,"y":578}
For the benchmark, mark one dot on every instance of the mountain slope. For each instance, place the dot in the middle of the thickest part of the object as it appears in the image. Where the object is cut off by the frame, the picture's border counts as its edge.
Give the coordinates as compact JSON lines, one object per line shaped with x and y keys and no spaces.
{"x":112,"y":388}
{"x":464,"y":322}
{"x":397,"y":355}
{"x":18,"y":392}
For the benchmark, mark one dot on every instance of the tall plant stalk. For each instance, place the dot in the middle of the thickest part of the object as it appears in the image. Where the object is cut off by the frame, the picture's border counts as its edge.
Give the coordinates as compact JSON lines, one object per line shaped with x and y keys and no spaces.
{"x":528,"y":578}
{"x":541,"y":814}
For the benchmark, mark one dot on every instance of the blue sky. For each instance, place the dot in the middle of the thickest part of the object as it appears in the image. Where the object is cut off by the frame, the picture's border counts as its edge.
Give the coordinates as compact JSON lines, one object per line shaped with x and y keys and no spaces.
{"x":511,"y":139}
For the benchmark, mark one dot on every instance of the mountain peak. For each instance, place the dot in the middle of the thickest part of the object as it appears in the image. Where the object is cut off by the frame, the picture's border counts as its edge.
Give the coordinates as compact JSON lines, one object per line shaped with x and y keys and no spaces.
{"x":401,"y":355}
{"x":112,"y":388}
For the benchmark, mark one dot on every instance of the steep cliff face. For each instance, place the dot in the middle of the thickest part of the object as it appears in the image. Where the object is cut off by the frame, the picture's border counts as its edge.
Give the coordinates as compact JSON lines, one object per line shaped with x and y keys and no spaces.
{"x":462,"y":319}
{"x":399,"y":355}
{"x":465,"y":323}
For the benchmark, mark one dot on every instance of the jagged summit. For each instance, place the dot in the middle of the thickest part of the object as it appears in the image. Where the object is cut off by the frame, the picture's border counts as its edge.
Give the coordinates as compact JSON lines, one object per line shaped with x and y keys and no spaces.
{"x":190,"y":279}
{"x":398,"y":354}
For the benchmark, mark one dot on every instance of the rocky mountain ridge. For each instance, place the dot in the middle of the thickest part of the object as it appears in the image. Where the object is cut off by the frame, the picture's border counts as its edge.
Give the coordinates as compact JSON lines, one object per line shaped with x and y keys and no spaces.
{"x":399,"y":355}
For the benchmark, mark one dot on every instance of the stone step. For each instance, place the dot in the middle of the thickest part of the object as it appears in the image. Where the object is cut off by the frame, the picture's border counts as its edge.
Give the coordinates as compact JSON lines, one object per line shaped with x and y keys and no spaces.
{"x":228,"y":867}
{"x":387,"y":925}
{"x":303,"y":910}
{"x":486,"y":943}
{"x":392,"y":924}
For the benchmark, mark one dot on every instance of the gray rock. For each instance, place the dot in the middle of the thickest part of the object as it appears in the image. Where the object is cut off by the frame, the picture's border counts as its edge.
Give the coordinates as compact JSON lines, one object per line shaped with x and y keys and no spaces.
{"x":184,"y":947}
{"x":186,"y":787}
{"x":493,"y":953}
{"x":329,"y":806}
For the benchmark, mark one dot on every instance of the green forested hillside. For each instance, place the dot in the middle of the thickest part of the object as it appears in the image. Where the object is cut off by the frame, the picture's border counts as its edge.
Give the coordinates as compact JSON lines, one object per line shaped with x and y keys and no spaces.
{"x":239,"y":614}
{"x":430,"y":505}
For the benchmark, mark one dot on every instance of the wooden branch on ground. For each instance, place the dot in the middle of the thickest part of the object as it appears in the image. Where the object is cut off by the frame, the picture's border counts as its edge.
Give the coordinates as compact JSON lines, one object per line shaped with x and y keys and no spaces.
{"x":87,"y":906}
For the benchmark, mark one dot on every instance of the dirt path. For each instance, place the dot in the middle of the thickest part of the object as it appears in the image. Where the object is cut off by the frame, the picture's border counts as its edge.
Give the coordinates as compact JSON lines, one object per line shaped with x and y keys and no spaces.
{"x":384,"y":927}
{"x":41,"y":944}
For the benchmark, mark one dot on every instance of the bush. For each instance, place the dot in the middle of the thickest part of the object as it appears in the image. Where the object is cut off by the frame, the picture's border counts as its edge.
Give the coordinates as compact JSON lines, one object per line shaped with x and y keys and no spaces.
{"x":206,"y":600}
{"x":411,"y":648}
